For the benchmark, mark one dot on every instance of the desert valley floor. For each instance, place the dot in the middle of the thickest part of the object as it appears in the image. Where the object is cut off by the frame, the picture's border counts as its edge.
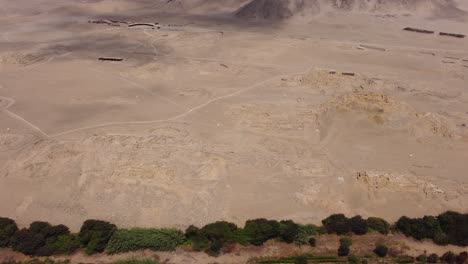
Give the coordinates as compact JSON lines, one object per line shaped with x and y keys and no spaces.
{"x":211,"y":117}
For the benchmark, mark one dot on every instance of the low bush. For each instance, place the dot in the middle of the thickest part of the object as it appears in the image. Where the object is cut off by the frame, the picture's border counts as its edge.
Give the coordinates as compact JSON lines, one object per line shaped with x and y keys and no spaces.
{"x":346,"y":241}
{"x":126,"y":240}
{"x":449,"y":257}
{"x":191,"y":232}
{"x":312,"y":242}
{"x":7,"y":229}
{"x":343,"y":251}
{"x":301,"y":260}
{"x":404,"y":259}
{"x":137,"y":261}
{"x":63,"y":244}
{"x":353,"y":259}
{"x":422,"y":258}
{"x":433,"y":258}
{"x":462,"y":258}
{"x":95,"y":234}
{"x":378,"y":225}
{"x":381,"y":250}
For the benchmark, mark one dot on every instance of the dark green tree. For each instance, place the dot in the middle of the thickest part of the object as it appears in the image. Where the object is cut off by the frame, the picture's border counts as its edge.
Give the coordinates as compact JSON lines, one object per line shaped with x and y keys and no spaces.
{"x":288,"y":231}
{"x":258,"y":231}
{"x":191,"y":232}
{"x":95,"y":234}
{"x":312,"y":242}
{"x":337,"y":223}
{"x":433,"y":258}
{"x":358,"y":225}
{"x":8,"y":228}
{"x":455,"y":226}
{"x":343,"y":251}
{"x":381,"y":250}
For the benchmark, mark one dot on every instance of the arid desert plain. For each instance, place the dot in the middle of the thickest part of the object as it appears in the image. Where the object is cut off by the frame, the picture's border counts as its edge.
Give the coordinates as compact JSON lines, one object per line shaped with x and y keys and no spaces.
{"x":221,"y":112}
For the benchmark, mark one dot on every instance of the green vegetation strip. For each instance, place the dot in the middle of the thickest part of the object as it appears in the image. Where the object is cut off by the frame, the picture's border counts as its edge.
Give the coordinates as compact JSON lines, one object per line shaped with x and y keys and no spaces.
{"x":96,"y":236}
{"x":126,"y":240}
{"x":310,"y":259}
{"x":137,"y":261}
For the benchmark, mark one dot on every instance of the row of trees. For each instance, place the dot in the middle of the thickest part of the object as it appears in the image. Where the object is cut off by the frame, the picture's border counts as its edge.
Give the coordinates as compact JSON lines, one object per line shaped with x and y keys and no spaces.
{"x":446,"y":228}
{"x":43,"y":239}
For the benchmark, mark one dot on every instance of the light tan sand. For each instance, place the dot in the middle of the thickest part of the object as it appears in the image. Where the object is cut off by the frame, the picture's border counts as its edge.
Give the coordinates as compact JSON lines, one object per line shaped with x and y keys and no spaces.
{"x":211,"y":117}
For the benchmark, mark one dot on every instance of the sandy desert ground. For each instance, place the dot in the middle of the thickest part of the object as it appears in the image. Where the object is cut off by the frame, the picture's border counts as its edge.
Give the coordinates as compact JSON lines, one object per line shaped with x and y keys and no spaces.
{"x":216,"y":117}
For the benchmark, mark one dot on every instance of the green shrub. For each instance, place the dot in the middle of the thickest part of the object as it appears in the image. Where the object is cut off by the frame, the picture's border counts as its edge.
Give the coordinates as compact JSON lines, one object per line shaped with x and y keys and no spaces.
{"x":7,"y":230}
{"x":212,"y":237}
{"x":312,"y":242}
{"x":288,"y":231}
{"x":305,"y":233}
{"x":433,"y":258}
{"x":449,"y":257}
{"x":364,"y":261}
{"x":343,"y":250}
{"x":346,"y":241}
{"x":381,"y":250}
{"x":259,"y":231}
{"x":378,"y":225}
{"x":126,"y":240}
{"x":64,"y":244}
{"x":353,"y":259}
{"x":404,"y":259}
{"x":337,"y":223}
{"x":95,"y":234}
{"x":301,"y":260}
{"x":422,"y":258}
{"x":137,"y":261}
{"x":358,"y":225}
{"x":191,"y":232}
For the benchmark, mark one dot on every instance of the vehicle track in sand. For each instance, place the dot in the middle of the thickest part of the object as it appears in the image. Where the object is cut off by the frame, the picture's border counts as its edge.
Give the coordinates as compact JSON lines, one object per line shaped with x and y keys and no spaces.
{"x":5,"y":110}
{"x":198,"y":107}
{"x":187,"y":112}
